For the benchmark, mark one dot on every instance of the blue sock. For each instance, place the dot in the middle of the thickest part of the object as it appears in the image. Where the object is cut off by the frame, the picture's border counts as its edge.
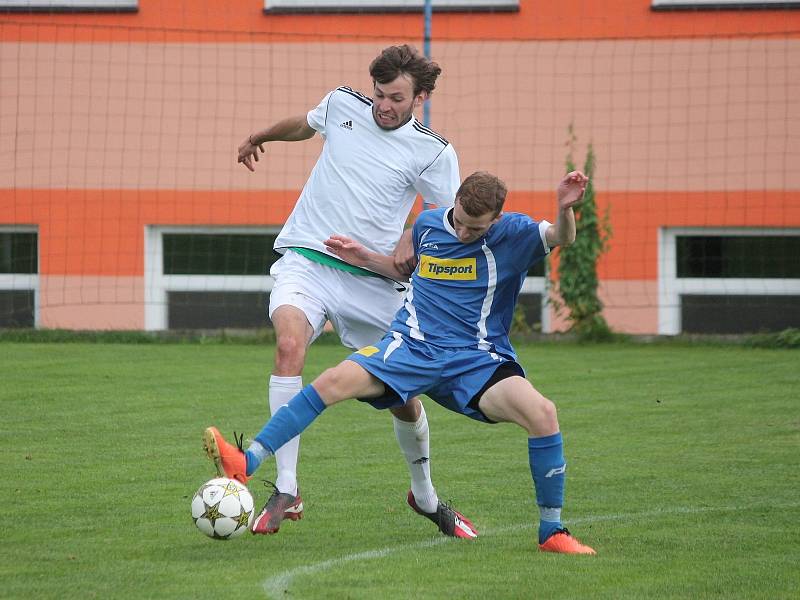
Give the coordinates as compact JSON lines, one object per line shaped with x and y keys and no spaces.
{"x":254,"y":456}
{"x":286,"y":423}
{"x":548,"y":469}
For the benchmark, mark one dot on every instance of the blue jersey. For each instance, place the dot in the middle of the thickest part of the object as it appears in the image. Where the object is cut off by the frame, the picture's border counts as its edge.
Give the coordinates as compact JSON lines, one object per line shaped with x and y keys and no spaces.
{"x":463,"y":295}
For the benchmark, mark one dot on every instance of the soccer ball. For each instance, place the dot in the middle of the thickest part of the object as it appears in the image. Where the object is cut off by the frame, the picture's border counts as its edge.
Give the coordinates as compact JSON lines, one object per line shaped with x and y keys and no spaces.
{"x":222,"y":508}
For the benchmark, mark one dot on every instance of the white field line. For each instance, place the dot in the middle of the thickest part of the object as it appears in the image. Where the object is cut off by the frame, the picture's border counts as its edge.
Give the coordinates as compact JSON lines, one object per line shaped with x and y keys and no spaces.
{"x":277,"y":585}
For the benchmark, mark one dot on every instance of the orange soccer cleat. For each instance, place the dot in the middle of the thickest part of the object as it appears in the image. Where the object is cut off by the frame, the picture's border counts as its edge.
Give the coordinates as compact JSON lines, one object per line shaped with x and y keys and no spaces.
{"x":230,"y":460}
{"x":563,"y":542}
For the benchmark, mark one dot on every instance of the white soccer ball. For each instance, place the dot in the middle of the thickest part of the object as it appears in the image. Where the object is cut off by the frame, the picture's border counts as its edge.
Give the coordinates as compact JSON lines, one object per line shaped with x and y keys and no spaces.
{"x":222,"y":508}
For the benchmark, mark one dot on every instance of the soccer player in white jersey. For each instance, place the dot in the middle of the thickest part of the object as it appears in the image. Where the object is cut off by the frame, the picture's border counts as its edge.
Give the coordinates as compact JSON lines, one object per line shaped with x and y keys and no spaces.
{"x":375,"y":160}
{"x":450,"y":339}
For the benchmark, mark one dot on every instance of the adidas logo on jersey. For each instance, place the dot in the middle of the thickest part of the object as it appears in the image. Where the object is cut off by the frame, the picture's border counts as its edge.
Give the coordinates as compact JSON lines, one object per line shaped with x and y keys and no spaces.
{"x":347,"y":125}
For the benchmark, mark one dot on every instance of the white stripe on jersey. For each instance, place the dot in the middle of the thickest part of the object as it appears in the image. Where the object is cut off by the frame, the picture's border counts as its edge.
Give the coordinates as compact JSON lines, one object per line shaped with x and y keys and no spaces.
{"x":423,"y":236}
{"x":491,"y":268}
{"x":412,"y":322}
{"x":398,"y":340}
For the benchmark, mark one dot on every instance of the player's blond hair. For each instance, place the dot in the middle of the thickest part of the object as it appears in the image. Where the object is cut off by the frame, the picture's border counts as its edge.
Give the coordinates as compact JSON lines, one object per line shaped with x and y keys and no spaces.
{"x":482,"y":193}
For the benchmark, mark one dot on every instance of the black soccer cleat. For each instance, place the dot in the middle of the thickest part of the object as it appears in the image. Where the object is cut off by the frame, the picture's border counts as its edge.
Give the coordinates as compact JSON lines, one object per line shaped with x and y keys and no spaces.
{"x":280,"y":506}
{"x":449,"y":521}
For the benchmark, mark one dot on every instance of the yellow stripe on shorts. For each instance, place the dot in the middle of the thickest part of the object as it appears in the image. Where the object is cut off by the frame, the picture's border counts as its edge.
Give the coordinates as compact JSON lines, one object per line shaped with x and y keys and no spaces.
{"x":367,"y":350}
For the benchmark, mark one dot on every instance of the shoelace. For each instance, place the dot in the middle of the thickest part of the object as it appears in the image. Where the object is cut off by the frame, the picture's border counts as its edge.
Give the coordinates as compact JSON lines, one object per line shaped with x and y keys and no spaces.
{"x":239,"y":441}
{"x":446,"y":507}
{"x":267,"y":484}
{"x":445,"y":514}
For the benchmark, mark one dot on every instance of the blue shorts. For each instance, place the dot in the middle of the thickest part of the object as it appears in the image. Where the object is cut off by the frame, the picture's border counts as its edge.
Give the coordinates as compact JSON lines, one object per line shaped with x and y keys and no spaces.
{"x":453,"y":377}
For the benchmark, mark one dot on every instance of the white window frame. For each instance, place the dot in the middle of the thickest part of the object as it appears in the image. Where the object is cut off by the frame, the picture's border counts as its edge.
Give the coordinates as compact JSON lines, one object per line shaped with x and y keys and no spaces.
{"x":722,"y":4}
{"x":157,"y":284}
{"x":671,"y":287}
{"x":69,"y":5}
{"x":278,"y":6}
{"x":24,"y":281}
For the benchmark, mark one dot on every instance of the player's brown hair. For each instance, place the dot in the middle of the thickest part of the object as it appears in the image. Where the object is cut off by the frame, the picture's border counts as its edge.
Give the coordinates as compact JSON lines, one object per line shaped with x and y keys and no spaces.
{"x":398,"y":60}
{"x":482,"y":193}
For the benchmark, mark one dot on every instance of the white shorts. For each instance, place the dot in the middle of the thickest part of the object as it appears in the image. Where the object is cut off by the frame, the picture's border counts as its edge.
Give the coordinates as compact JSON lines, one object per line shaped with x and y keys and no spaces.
{"x":360,"y":308}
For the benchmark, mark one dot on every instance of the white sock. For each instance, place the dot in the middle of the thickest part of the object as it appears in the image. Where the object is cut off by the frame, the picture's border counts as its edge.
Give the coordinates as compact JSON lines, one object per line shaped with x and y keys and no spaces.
{"x":281,"y":390}
{"x":415,"y":443}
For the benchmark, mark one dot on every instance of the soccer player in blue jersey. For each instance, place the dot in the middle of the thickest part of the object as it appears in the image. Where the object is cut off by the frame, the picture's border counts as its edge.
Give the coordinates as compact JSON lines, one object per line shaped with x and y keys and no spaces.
{"x":449,"y":340}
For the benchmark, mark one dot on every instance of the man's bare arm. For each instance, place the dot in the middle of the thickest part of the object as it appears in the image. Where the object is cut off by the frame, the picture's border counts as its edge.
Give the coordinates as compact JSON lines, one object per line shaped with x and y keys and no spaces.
{"x":356,"y":254}
{"x":293,"y":129}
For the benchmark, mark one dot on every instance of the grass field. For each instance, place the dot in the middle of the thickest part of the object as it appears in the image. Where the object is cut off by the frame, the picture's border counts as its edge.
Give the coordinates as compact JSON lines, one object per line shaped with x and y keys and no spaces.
{"x":683,"y":475}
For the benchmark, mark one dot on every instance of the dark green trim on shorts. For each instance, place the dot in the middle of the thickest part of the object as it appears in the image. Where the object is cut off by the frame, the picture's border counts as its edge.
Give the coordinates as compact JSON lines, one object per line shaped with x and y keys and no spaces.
{"x":333,"y":262}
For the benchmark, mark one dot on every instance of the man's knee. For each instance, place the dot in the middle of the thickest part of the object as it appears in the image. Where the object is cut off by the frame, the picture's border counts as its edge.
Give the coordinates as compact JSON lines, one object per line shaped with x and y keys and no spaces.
{"x":546,"y":409}
{"x":334,"y":384}
{"x":347,"y":380}
{"x":290,"y":354}
{"x":290,"y":346}
{"x":409,"y":412}
{"x":515,"y":399}
{"x":540,"y":415}
{"x":293,"y":333}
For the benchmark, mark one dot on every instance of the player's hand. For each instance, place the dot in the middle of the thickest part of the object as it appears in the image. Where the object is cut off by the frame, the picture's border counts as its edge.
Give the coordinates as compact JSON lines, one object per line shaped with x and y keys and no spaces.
{"x":405,"y":260}
{"x":350,"y":251}
{"x":248,"y":153}
{"x":571,"y":189}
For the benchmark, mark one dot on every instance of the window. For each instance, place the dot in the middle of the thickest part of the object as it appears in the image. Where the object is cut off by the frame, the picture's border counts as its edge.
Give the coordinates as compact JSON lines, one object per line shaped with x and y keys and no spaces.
{"x":217,"y":310}
{"x":533,"y":298}
{"x":69,"y":5}
{"x":208,"y":278}
{"x":729,"y":280}
{"x":19,"y":280}
{"x":722,"y":4}
{"x":283,"y":6}
{"x":736,"y":313}
{"x":728,"y":256}
{"x":218,"y":253}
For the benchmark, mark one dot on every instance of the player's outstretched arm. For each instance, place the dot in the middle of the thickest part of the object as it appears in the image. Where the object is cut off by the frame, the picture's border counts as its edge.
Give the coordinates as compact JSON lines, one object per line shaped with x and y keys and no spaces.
{"x":350,"y":251}
{"x":293,"y":129}
{"x":570,"y":192}
{"x":405,"y":259}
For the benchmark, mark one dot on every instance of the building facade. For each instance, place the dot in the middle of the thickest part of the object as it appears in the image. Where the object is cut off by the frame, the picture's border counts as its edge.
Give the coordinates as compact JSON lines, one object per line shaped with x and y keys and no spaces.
{"x":122,"y":205}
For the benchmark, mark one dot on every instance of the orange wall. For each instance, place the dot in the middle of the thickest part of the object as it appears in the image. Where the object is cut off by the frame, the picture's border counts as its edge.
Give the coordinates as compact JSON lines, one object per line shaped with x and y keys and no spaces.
{"x":666,"y":115}
{"x":101,"y":232}
{"x":218,"y":20}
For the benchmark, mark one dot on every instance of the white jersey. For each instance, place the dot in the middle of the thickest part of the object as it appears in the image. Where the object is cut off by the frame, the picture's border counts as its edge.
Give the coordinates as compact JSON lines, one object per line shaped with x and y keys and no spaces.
{"x":366,"y":179}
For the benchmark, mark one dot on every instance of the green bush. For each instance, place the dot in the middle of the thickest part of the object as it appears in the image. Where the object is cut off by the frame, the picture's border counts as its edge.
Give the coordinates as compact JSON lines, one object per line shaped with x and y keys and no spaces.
{"x":788,"y":338}
{"x":577,"y":283}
